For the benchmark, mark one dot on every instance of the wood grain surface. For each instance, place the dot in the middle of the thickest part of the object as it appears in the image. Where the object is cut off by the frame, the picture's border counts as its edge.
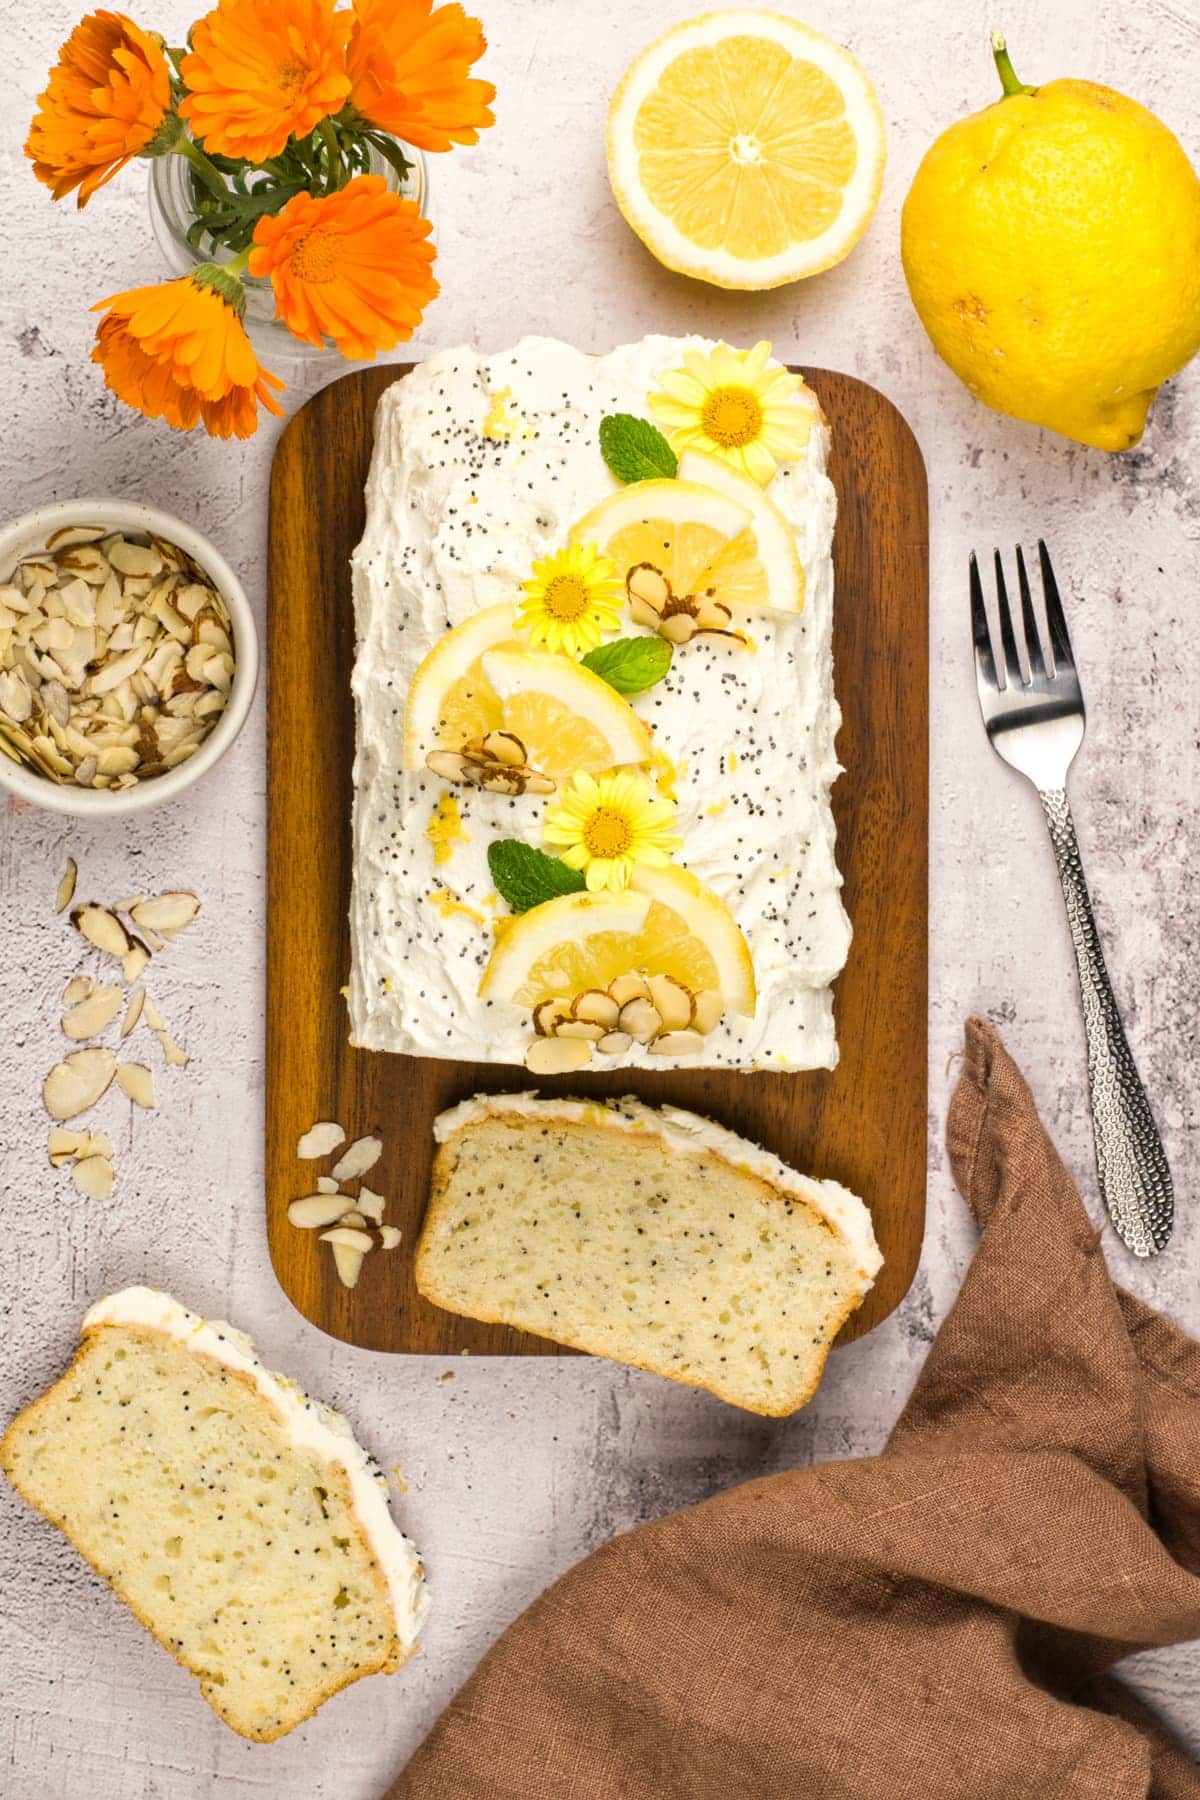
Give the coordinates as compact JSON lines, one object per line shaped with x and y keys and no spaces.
{"x":862,"y":1123}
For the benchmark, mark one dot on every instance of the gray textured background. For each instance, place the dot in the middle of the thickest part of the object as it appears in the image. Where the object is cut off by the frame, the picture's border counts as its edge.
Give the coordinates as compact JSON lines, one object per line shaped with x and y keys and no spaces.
{"x":517,"y":1468}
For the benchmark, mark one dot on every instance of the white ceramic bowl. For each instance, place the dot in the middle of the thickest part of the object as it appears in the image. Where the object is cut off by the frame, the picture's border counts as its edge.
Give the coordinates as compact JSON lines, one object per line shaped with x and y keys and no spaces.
{"x":29,"y":533}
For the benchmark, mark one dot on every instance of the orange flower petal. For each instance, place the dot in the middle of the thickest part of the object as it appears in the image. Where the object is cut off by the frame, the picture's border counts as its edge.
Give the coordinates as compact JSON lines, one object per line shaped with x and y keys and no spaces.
{"x":261,"y":71}
{"x":109,"y":93}
{"x":409,"y":71}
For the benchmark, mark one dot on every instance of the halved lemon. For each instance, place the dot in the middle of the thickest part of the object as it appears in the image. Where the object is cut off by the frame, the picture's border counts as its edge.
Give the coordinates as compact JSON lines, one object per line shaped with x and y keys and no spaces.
{"x":566,"y":717}
{"x":745,"y":149}
{"x":775,"y":537}
{"x":667,"y":923}
{"x":703,"y":541}
{"x":450,"y":700}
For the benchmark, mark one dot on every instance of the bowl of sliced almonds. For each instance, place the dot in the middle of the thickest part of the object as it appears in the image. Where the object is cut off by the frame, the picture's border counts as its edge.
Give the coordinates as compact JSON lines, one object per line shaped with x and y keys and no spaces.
{"x":128,"y":657}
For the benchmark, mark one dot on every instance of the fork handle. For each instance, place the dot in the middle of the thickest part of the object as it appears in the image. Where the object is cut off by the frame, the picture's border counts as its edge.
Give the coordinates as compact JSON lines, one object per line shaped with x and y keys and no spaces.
{"x":1130,"y":1161}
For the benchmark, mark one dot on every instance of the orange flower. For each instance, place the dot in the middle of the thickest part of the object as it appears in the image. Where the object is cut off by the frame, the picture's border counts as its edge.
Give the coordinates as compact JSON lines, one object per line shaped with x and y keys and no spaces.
{"x":354,"y":266}
{"x":109,"y":95}
{"x":179,"y":351}
{"x":409,"y":68}
{"x":261,"y":71}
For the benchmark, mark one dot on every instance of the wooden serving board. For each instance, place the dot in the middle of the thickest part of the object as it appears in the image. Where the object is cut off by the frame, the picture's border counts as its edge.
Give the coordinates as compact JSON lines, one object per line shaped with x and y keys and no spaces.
{"x":863,"y":1123}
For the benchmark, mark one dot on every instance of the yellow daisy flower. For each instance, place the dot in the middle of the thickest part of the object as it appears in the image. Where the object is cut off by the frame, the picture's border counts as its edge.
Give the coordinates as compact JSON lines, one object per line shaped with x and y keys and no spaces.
{"x":605,"y":824}
{"x":571,"y":600}
{"x":728,"y":403}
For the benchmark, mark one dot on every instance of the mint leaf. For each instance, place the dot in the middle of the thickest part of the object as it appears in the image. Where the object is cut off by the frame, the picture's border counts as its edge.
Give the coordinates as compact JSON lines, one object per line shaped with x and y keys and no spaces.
{"x":631,"y":665}
{"x":525,"y":876}
{"x":635,"y":450}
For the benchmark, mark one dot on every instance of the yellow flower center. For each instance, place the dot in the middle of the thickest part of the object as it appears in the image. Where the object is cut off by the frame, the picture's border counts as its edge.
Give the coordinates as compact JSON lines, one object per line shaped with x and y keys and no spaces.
{"x":607,"y":833}
{"x":732,"y":416}
{"x":314,"y":256}
{"x":566,"y":598}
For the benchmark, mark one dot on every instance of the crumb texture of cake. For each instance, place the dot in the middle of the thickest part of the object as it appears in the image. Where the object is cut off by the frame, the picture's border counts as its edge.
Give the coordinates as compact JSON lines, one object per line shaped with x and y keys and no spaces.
{"x":238,"y":1519}
{"x":482,"y":465}
{"x":656,"y":1238}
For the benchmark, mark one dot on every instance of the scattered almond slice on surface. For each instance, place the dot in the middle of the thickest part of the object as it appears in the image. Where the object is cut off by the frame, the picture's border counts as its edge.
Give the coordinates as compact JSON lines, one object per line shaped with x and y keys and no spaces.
{"x":349,"y":1248}
{"x":370,"y":1204}
{"x":133,"y":1011}
{"x":316,"y":1211}
{"x":389,"y":1236}
{"x":66,"y":887}
{"x":165,"y":914}
{"x":77,"y":989}
{"x":137,"y":1084}
{"x":357,"y":1159}
{"x":94,"y":1177}
{"x":134,"y":960}
{"x":353,"y":1219}
{"x":173,"y":1053}
{"x":101,"y":928}
{"x":89,"y":1016}
{"x":326,"y":1184}
{"x":319,"y":1140}
{"x":78,"y":1081}
{"x":64,"y":1144}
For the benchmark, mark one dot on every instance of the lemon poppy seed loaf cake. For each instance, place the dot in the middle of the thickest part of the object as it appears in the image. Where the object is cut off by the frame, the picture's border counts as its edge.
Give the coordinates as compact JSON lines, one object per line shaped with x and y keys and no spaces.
{"x":656,"y":1238}
{"x":238,"y":1519}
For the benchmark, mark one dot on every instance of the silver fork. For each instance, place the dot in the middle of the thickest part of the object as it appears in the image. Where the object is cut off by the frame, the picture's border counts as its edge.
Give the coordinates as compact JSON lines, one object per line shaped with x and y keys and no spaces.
{"x":1035,"y":722}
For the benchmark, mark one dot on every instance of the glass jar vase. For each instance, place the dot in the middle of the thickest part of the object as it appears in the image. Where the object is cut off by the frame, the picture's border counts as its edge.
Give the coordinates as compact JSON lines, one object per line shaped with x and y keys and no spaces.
{"x":172,"y":214}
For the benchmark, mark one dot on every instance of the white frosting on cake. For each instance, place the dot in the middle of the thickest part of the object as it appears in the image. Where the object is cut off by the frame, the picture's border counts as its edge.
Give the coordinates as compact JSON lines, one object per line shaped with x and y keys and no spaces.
{"x":310,"y":1426}
{"x":481,"y":465}
{"x":688,"y":1134}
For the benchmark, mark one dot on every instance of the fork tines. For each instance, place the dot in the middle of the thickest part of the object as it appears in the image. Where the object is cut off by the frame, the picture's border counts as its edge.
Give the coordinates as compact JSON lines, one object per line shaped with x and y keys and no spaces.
{"x":1030,"y":640}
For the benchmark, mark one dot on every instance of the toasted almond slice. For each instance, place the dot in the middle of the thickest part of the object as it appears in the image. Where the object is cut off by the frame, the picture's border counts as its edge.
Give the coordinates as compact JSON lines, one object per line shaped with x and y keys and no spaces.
{"x":173,"y":1053}
{"x":90,"y":1016}
{"x":708,"y":1011}
{"x":64,"y":1144}
{"x":133,"y":1011}
{"x":673,"y":1000}
{"x":66,"y":887}
{"x":597,"y":1007}
{"x":97,"y":1143}
{"x":165,"y":913}
{"x":353,"y":1219}
{"x":315,"y":1211}
{"x":135,"y":959}
{"x":93,"y":1176}
{"x":580,"y":1028}
{"x":77,"y":989}
{"x":614,"y":1043}
{"x":348,"y":1235}
{"x":628,"y":987}
{"x":371,"y":1203}
{"x":677,"y":1043}
{"x":557,"y":1055}
{"x":641,"y":1019}
{"x":389,"y":1236}
{"x":548,"y":1015}
{"x":137,"y":1083}
{"x":360,"y":1156}
{"x":348,"y":1262}
{"x":67,"y":535}
{"x":326,"y":1184}
{"x":134,"y":559}
{"x":78,"y":1081}
{"x":101,"y":928}
{"x":319,"y":1140}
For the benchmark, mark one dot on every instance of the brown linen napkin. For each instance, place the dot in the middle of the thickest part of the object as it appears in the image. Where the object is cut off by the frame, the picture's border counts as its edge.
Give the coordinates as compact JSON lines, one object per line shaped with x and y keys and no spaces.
{"x":936,"y":1621}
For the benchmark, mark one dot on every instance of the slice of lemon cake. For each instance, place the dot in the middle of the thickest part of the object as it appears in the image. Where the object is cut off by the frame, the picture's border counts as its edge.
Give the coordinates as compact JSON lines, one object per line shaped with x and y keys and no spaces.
{"x":595,"y":642}
{"x":237,"y":1518}
{"x":653,"y":1237}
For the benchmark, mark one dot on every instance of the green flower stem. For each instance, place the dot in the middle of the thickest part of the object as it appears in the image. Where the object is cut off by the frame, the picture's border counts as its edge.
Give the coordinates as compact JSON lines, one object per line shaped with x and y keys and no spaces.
{"x":1009,"y":80}
{"x":336,"y":173}
{"x":206,"y":171}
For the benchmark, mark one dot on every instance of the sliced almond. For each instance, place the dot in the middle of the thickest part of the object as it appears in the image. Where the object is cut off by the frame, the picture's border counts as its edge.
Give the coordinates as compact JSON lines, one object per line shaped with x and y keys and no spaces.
{"x":348,"y":1262}
{"x":353,"y":1219}
{"x":135,"y":960}
{"x":93,"y":1176}
{"x":371,"y":1204}
{"x":137,"y":1083}
{"x":360,"y":1156}
{"x":680,"y":628}
{"x":154,"y":1018}
{"x":66,"y":887}
{"x":579,"y":1028}
{"x":133,"y":1011}
{"x":673,"y":1000}
{"x":64,"y":1144}
{"x":89,"y":1018}
{"x":78,"y":1081}
{"x":597,"y":1007}
{"x":548,"y":1015}
{"x":350,"y":1237}
{"x":319,"y":1140}
{"x":628,"y":987}
{"x":677,"y":1043}
{"x":101,"y":928}
{"x":614,"y":1043}
{"x":315,"y":1211}
{"x":97,"y":1143}
{"x":708,"y":1010}
{"x":505,"y":747}
{"x":173,"y":1053}
{"x":326,"y":1184}
{"x":165,"y":913}
{"x":641,"y":1019}
{"x":389,"y":1236}
{"x":77,"y":989}
{"x":557,"y":1055}
{"x":649,"y":585}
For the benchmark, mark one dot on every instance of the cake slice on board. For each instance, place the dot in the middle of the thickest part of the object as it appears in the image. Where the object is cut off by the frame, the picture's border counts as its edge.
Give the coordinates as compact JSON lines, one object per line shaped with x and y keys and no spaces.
{"x":238,"y":1519}
{"x":653,"y":1237}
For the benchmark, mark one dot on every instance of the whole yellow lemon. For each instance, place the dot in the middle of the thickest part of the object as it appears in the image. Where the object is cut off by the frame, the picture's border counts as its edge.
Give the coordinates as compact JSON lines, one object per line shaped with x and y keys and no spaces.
{"x":1051,"y":245}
